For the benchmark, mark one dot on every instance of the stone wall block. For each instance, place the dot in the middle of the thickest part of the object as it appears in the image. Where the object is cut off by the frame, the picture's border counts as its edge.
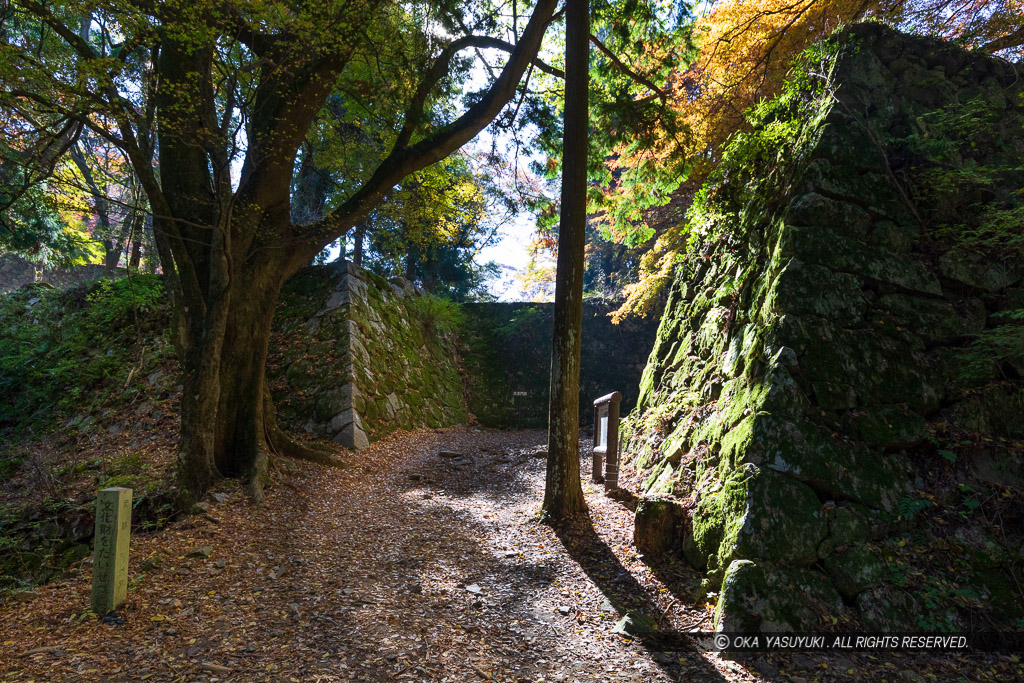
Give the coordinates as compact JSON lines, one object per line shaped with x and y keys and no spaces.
{"x":806,"y":462}
{"x":659,"y":525}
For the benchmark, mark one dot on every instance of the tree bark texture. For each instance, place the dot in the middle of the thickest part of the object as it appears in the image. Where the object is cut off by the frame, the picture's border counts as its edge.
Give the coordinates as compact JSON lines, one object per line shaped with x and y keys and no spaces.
{"x":357,"y":245}
{"x":563,"y":495}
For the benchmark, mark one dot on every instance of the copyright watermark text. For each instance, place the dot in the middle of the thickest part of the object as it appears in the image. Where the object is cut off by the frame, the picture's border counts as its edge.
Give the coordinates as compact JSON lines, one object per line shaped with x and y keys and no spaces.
{"x":897,"y":642}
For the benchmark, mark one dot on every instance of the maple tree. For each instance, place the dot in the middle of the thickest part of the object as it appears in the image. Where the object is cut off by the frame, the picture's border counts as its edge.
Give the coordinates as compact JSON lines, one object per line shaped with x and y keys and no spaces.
{"x":741,"y":54}
{"x":90,"y":210}
{"x":745,"y":51}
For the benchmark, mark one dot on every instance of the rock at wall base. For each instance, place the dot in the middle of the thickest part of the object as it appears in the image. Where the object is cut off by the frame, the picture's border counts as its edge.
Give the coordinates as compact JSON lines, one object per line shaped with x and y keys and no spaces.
{"x":855,"y":570}
{"x":352,"y":437}
{"x":759,"y":597}
{"x":657,"y":525}
{"x":635,"y":625}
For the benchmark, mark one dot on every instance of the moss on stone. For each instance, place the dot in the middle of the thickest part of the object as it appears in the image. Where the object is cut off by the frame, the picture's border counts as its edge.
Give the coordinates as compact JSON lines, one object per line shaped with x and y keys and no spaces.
{"x":658,"y":524}
{"x":756,"y":514}
{"x":758,"y":597}
{"x":848,"y":524}
{"x":891,"y":427}
{"x":995,"y":411}
{"x":888,"y":609}
{"x":854,"y":570}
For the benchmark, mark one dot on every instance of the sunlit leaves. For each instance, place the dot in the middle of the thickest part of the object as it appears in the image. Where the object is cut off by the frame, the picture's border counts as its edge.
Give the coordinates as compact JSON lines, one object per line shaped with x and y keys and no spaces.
{"x":746,"y":51}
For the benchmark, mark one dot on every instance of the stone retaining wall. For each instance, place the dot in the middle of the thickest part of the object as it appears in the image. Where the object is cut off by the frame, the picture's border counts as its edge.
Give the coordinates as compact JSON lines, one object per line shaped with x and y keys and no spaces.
{"x":506,"y":349}
{"x":819,"y":401}
{"x":16,"y":272}
{"x":355,"y":357}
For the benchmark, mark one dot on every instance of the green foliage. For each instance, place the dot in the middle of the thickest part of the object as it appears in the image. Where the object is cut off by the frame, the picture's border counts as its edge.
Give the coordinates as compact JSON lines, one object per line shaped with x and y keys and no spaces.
{"x":995,"y":345}
{"x":128,"y":463}
{"x":968,"y":500}
{"x":938,"y":598}
{"x":440,"y":315}
{"x":759,"y":165}
{"x":116,"y":303}
{"x":8,"y":466}
{"x":909,"y":507}
{"x":31,"y":226}
{"x":521,"y":323}
{"x":652,"y":38}
{"x":57,"y":347}
{"x":962,"y":161}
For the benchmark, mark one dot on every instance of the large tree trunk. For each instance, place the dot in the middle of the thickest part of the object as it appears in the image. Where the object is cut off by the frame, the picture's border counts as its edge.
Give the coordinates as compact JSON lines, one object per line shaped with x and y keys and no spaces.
{"x":111,"y":255}
{"x":222,"y":428}
{"x":201,"y":340}
{"x":241,"y":449}
{"x":228,"y":424}
{"x":199,"y":402}
{"x":563,"y":495}
{"x":222,"y":421}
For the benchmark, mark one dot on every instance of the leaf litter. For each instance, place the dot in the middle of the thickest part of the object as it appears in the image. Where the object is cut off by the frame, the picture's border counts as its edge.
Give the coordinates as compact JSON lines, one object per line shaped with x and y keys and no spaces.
{"x":408,"y":564}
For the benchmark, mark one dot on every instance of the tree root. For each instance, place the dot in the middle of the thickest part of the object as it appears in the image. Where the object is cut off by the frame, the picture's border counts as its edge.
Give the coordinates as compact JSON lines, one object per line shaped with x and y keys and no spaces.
{"x":288,"y":447}
{"x":285,"y":446}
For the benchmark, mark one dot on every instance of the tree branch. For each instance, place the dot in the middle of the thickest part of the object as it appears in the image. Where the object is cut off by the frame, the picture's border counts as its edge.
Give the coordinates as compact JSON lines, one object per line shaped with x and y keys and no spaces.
{"x":414,"y":113}
{"x":73,"y":40}
{"x":405,"y":160}
{"x":639,"y":78}
{"x":1014,"y":39}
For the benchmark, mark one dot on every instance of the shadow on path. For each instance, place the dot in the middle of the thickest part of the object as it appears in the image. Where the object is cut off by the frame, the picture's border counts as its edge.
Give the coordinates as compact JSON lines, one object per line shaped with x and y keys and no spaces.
{"x":504,"y":472}
{"x":626,"y":594}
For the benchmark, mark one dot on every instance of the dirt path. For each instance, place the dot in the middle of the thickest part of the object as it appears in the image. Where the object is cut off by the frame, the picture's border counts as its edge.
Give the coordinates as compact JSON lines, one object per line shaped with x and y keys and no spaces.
{"x":406,"y":566}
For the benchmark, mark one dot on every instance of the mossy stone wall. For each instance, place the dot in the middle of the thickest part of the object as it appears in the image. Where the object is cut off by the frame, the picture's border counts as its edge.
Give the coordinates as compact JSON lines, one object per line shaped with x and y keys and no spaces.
{"x":811,"y":401}
{"x":16,"y":272}
{"x":354,"y":358}
{"x":506,"y":348}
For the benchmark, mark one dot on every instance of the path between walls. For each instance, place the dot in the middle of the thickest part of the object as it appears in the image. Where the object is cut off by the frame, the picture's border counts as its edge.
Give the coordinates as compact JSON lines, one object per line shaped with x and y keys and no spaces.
{"x":408,"y":565}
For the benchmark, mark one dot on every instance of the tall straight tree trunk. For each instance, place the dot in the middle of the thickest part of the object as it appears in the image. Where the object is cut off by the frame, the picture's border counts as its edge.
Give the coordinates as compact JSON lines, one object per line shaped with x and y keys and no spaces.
{"x":563,"y":495}
{"x":135,"y":235}
{"x":357,"y":244}
{"x":136,"y":257}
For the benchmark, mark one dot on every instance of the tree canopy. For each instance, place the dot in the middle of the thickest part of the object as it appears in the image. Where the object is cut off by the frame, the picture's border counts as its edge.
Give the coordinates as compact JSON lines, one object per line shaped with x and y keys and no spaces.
{"x":211,"y":101}
{"x":745,"y":51}
{"x":730,"y":56}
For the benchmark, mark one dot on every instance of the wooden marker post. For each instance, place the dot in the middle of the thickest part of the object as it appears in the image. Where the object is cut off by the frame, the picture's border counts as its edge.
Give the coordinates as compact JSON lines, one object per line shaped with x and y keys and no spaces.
{"x":110,"y":553}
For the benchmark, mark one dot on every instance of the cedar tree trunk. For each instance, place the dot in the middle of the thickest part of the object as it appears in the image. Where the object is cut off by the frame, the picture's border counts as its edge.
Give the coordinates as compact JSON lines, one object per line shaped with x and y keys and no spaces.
{"x":563,"y":496}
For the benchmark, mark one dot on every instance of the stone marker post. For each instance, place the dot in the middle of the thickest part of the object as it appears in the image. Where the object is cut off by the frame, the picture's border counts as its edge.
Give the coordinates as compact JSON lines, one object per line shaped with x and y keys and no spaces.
{"x":606,"y":439}
{"x":110,"y":553}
